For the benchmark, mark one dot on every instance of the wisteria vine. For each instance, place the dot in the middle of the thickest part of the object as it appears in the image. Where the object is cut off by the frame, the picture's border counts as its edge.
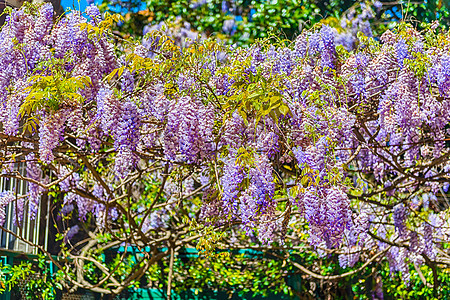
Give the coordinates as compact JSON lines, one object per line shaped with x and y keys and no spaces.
{"x":339,"y":145}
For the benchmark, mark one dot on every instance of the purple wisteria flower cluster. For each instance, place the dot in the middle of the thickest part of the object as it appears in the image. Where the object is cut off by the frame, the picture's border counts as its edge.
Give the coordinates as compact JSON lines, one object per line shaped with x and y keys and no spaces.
{"x":351,"y":143}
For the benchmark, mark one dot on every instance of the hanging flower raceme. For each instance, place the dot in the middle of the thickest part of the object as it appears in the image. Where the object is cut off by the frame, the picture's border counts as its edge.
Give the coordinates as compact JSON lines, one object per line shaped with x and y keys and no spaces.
{"x":5,"y":198}
{"x":343,"y":144}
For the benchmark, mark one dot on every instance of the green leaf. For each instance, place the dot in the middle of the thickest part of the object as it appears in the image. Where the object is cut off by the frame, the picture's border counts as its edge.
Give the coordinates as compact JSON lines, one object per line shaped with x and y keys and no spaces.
{"x":284,"y":109}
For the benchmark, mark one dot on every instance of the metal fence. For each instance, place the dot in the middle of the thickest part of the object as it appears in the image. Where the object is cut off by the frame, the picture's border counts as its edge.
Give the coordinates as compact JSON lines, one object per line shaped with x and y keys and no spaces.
{"x":35,"y":230}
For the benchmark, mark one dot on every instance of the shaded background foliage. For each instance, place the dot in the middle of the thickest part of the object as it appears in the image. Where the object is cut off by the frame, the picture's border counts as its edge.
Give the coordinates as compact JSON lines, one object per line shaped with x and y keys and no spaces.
{"x":250,"y":20}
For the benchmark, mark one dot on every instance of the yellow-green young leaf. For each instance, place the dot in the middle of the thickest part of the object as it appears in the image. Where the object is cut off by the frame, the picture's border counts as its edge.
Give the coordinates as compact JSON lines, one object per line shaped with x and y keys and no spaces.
{"x":86,"y":80}
{"x":110,"y":76}
{"x":274,"y":100}
{"x":294,"y":191}
{"x":264,"y":112}
{"x":117,"y":17}
{"x":31,"y":124}
{"x":120,"y":72}
{"x":243,"y":114}
{"x":85,"y":26}
{"x":306,"y":170}
{"x":27,"y":128}
{"x":304,"y":181}
{"x":254,"y":95}
{"x":284,"y":109}
{"x":287,"y":167}
{"x":317,"y":179}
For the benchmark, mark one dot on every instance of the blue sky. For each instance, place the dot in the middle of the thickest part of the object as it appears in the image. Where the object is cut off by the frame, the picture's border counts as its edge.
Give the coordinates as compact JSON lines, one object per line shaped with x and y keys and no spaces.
{"x":79,"y":4}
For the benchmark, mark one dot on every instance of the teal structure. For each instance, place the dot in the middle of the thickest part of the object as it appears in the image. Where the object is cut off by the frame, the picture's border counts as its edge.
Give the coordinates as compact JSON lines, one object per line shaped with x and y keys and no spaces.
{"x":13,"y":257}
